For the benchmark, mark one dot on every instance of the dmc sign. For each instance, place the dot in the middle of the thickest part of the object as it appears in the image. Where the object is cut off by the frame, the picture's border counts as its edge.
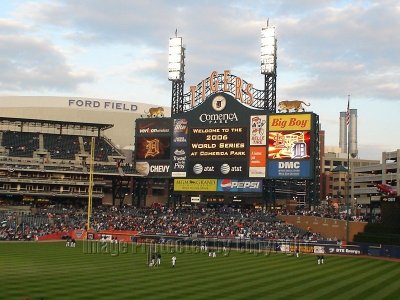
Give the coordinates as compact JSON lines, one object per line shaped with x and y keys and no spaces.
{"x":289,"y":165}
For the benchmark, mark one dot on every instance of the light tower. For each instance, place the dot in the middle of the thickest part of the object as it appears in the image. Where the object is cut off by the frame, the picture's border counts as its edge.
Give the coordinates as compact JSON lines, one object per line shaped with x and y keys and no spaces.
{"x":176,"y":72}
{"x":268,"y":65}
{"x":268,"y":69}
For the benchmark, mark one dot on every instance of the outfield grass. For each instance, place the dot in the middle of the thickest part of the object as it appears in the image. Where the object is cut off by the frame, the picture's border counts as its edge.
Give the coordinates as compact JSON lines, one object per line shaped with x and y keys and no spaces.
{"x":53,"y":271}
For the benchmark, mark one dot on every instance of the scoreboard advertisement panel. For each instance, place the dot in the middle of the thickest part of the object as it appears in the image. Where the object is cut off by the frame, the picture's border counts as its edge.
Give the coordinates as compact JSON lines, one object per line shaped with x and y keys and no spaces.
{"x":290,"y":144}
{"x":179,"y":148}
{"x":153,"y":147}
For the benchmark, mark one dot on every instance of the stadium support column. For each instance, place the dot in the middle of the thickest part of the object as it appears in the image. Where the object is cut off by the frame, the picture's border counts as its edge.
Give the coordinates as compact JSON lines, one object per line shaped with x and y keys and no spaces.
{"x":177,"y":97}
{"x":265,"y":194}
{"x":170,"y":192}
{"x":120,"y":189}
{"x":141,"y":192}
{"x":269,"y":191}
{"x":90,"y":197}
{"x":137,"y":192}
{"x":270,"y":92}
{"x":313,"y":186}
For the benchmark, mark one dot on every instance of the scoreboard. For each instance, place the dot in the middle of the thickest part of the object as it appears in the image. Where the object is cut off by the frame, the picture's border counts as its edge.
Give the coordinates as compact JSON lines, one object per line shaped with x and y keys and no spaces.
{"x":224,"y":138}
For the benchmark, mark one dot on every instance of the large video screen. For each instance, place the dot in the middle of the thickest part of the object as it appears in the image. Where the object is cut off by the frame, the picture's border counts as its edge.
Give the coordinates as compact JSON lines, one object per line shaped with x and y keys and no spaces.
{"x":289,"y":145}
{"x":150,"y":148}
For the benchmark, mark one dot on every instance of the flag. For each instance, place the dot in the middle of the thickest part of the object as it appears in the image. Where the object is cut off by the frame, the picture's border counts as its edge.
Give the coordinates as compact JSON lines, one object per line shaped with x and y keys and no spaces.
{"x":348,"y":112}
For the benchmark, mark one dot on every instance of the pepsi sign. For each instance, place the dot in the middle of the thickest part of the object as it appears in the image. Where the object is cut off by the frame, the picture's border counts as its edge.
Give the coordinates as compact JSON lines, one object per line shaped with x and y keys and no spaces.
{"x":239,"y":185}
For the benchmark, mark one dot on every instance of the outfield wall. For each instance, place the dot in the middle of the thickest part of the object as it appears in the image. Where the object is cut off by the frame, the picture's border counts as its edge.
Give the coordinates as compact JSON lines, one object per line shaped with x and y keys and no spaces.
{"x":327,"y":227}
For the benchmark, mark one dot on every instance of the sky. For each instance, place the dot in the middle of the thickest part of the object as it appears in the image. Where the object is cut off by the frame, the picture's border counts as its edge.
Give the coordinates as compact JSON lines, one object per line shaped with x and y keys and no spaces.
{"x":118,"y":49}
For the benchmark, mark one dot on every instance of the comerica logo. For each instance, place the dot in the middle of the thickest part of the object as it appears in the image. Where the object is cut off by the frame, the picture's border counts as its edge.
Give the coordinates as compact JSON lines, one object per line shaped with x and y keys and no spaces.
{"x":289,"y":165}
{"x":218,"y":118}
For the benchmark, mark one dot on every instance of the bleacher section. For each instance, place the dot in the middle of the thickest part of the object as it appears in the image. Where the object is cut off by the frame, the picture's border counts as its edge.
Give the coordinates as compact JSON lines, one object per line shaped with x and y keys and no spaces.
{"x":102,"y":150}
{"x":47,"y":161}
{"x":61,"y":146}
{"x":105,"y":169}
{"x":128,"y":169}
{"x":64,"y":147}
{"x":20,"y":144}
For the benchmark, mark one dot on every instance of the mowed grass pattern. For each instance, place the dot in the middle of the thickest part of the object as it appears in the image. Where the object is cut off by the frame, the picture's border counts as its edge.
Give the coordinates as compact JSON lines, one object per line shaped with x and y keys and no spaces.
{"x":53,"y":271}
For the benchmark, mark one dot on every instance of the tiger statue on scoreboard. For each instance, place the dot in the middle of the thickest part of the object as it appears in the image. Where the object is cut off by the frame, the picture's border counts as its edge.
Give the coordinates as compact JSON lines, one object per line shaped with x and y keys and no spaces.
{"x":155,"y":112}
{"x":295,"y":105}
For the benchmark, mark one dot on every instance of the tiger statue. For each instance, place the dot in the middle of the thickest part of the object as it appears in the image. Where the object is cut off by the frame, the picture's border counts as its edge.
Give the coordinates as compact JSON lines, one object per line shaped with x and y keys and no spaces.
{"x":295,"y":105}
{"x":155,"y":112}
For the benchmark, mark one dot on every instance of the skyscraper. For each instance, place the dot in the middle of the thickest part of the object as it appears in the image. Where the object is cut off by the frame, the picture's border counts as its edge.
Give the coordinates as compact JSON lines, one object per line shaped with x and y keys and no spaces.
{"x":348,"y":139}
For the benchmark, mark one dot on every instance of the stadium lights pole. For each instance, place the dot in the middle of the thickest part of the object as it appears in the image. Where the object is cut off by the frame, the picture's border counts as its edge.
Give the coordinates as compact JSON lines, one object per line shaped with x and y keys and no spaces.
{"x":91,"y":167}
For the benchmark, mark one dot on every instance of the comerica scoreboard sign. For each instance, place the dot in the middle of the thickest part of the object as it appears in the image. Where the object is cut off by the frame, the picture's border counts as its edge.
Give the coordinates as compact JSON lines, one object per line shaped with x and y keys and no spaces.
{"x":224,"y":138}
{"x":220,"y":132}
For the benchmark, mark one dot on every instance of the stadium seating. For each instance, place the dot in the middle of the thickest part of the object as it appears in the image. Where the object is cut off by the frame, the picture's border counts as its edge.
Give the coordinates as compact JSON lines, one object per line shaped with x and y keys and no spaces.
{"x":105,"y":169}
{"x":61,"y":146}
{"x":20,"y":144}
{"x":102,"y":150}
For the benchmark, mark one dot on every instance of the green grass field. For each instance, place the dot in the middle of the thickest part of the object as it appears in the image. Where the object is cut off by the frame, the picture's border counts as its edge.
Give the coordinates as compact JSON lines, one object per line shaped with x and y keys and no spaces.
{"x":53,"y":271}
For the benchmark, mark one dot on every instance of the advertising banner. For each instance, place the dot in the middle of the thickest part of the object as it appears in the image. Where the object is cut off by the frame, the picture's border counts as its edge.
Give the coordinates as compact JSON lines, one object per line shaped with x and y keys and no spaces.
{"x":258,"y":130}
{"x":153,"y":126}
{"x":179,"y":161}
{"x":180,"y":133}
{"x":289,"y":122}
{"x":258,"y":156}
{"x":289,"y":169}
{"x":257,"y":172}
{"x":206,"y":168}
{"x":154,"y":168}
{"x":179,"y":155}
{"x":339,"y":250}
{"x":257,"y":162}
{"x":239,"y":185}
{"x":195,"y":185}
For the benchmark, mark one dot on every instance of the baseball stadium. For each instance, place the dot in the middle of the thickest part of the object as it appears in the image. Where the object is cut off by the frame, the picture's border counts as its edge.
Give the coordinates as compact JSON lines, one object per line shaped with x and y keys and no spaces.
{"x":111,"y":199}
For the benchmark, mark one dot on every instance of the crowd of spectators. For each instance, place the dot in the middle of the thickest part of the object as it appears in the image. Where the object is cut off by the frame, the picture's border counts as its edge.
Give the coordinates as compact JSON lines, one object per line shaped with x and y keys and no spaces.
{"x":223,"y":222}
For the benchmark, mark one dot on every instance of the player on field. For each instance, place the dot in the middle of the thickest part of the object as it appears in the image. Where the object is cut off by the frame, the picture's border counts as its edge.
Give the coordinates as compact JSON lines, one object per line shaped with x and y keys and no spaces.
{"x":173,"y":261}
{"x":158,"y":259}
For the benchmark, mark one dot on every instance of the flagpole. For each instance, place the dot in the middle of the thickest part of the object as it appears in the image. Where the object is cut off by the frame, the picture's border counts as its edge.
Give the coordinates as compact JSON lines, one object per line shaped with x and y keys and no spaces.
{"x":348,"y":169}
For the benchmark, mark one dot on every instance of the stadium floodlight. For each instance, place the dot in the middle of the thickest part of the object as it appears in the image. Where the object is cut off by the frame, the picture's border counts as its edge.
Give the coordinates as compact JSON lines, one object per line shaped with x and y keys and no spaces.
{"x":176,"y":59}
{"x":268,"y":50}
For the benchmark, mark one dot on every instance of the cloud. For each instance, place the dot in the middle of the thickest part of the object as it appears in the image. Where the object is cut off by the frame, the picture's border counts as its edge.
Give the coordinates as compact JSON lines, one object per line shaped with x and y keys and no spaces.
{"x":351,"y":48}
{"x":34,"y":64}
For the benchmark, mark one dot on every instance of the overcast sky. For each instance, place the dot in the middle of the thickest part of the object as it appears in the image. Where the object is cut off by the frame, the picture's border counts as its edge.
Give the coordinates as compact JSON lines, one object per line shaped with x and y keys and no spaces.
{"x":118,"y":49}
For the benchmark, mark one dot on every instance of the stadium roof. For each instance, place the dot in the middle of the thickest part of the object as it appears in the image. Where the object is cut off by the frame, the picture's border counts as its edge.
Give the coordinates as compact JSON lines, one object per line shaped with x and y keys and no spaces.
{"x":41,"y":123}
